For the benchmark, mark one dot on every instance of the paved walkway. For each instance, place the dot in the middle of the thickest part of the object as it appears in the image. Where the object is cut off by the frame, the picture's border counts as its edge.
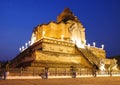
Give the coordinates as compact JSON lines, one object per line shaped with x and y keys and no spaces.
{"x":39,"y":77}
{"x":64,"y":81}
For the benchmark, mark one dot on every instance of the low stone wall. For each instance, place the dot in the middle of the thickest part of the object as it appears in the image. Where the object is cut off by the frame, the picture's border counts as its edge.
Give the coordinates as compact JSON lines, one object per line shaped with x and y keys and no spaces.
{"x":52,"y":71}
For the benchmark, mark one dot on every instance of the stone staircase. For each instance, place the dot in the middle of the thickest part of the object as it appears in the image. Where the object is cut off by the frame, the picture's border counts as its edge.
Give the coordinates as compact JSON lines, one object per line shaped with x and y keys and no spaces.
{"x":89,"y":56}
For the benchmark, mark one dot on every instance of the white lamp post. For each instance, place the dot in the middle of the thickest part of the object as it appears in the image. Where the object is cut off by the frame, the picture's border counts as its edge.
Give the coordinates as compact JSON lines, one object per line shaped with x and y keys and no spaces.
{"x":94,"y":44}
{"x":88,"y":45}
{"x":20,"y":49}
{"x":29,"y":43}
{"x":26,"y":44}
{"x":102,"y":46}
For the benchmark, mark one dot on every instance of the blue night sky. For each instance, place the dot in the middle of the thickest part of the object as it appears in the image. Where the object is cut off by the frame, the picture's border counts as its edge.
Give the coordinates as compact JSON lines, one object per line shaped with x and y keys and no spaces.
{"x":101,"y":19}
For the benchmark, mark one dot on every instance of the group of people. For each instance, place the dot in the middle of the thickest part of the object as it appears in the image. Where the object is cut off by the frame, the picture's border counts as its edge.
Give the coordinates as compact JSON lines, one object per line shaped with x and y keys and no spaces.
{"x":3,"y":74}
{"x":45,"y":75}
{"x":94,"y":70}
{"x":74,"y":74}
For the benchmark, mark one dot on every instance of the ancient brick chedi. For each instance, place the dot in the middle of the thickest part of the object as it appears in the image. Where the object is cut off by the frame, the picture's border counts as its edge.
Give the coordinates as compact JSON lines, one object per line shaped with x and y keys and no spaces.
{"x":60,"y":45}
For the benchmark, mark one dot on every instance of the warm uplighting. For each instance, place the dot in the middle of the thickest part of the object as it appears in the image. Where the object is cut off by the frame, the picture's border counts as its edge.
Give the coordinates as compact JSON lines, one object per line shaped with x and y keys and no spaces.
{"x":85,"y":42}
{"x":33,"y":38}
{"x":43,"y":33}
{"x":62,"y":37}
{"x":102,"y":67}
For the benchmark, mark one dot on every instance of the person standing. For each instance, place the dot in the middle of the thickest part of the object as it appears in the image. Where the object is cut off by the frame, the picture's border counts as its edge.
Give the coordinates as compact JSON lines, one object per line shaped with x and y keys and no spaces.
{"x":4,"y":74}
{"x":94,"y":70}
{"x":46,"y":74}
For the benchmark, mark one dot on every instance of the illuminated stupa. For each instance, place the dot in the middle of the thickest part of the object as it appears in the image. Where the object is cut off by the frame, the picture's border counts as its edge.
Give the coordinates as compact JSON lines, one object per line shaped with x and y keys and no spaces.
{"x":59,"y":46}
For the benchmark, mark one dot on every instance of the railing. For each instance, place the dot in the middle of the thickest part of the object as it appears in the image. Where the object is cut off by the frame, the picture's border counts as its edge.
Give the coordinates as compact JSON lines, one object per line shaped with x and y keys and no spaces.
{"x":90,"y":56}
{"x":52,"y":72}
{"x":36,"y":72}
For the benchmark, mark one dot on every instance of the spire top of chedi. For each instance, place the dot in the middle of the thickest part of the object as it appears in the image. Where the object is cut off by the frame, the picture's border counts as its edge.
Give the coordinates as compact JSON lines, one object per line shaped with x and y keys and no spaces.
{"x":67,"y":15}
